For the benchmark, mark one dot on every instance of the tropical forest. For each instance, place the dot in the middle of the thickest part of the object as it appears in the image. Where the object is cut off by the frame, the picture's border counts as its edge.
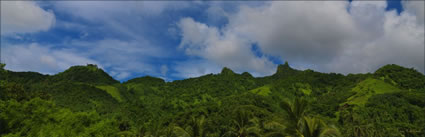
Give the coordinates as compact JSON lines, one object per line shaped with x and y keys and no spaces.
{"x":86,"y":101}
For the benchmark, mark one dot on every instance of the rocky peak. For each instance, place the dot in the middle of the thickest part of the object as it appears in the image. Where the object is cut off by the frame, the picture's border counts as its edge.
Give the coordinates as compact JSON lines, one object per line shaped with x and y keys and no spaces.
{"x":227,"y":71}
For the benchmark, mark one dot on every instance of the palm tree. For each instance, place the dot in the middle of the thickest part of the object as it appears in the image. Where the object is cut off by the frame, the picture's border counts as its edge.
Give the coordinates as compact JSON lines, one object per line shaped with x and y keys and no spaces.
{"x":277,"y":129}
{"x":245,"y":125}
{"x":196,"y":128}
{"x":314,"y":127}
{"x":181,"y":132}
{"x":155,"y":128}
{"x":295,"y":113}
{"x":298,"y":125}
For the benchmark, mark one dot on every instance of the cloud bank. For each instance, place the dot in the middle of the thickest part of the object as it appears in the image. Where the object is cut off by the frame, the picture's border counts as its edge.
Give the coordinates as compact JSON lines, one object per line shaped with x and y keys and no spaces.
{"x":227,"y":50}
{"x":35,"y":57}
{"x":111,"y":35}
{"x":330,"y":36}
{"x":24,"y":17}
{"x":175,"y":40}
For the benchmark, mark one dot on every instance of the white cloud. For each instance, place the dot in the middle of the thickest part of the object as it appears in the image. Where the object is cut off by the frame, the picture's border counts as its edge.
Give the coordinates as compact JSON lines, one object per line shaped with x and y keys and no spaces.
{"x":24,"y":17}
{"x":415,"y":8}
{"x":394,"y":39}
{"x":128,"y":53}
{"x":123,"y":58}
{"x":329,"y":35}
{"x":326,"y":35}
{"x":34,"y":57}
{"x":296,"y":31}
{"x":120,"y":58}
{"x":226,"y":50}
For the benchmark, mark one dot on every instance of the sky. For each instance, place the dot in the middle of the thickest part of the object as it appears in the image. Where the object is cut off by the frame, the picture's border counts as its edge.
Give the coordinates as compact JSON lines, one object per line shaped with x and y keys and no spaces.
{"x":175,"y":40}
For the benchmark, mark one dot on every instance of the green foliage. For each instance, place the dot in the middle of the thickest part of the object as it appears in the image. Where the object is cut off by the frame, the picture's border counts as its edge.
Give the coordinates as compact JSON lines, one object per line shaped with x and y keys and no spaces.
{"x":40,"y":118}
{"x":304,"y":88}
{"x":384,"y":115}
{"x":196,"y":127}
{"x":113,"y":91}
{"x":263,"y":91}
{"x":367,"y":88}
{"x":81,"y":97}
{"x":147,"y":80}
{"x":85,"y":101}
{"x":314,"y":127}
{"x":89,"y":74}
{"x":284,"y":70}
{"x":227,"y":72}
{"x":298,"y":124}
{"x":402,"y":77}
{"x":22,"y":77}
{"x":2,"y":66}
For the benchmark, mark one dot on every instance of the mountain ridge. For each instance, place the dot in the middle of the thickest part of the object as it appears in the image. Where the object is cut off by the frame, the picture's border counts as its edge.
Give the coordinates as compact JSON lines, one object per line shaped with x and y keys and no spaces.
{"x":87,"y":97}
{"x":281,"y":70}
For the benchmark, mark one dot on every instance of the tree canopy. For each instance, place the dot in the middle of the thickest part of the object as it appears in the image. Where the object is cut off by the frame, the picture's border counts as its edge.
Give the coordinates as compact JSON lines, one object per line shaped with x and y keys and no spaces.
{"x":86,"y":101}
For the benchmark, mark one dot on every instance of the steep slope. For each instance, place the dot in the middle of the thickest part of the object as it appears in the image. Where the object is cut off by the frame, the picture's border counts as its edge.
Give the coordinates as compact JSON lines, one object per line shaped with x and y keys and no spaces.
{"x":89,"y":74}
{"x":407,"y":78}
{"x":81,"y":97}
{"x":113,"y":91}
{"x":144,"y":85}
{"x":21,"y":77}
{"x":284,"y":70}
{"x":263,"y":90}
{"x":368,"y":88}
{"x":146,"y":80}
{"x":223,"y":84}
{"x":388,"y":102}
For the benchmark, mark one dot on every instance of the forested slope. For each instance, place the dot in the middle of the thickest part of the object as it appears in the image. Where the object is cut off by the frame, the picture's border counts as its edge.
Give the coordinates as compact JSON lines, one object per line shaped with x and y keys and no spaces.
{"x":86,"y":101}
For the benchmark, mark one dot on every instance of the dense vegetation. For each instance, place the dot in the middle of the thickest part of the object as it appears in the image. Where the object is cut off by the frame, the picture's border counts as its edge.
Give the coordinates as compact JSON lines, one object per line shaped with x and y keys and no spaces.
{"x":86,"y":101}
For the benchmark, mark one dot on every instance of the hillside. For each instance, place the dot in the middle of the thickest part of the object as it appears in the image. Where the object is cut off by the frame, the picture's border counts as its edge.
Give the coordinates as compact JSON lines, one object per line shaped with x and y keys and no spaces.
{"x":86,"y":101}
{"x":368,"y":88}
{"x":89,"y":74}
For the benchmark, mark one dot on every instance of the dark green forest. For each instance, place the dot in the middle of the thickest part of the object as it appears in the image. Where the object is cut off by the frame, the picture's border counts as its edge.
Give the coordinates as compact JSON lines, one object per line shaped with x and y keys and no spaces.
{"x":86,"y":101}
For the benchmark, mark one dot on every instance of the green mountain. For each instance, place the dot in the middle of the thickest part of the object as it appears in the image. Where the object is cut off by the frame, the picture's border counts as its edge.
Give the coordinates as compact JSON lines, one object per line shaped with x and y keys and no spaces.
{"x":89,"y":74}
{"x":86,"y":101}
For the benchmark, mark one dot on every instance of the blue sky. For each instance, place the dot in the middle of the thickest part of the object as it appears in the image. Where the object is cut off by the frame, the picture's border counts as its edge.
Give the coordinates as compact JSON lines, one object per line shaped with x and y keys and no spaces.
{"x":176,"y":40}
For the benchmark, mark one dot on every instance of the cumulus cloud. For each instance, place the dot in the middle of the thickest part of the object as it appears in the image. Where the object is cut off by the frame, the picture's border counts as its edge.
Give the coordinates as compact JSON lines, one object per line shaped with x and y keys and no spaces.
{"x":416,"y":8}
{"x":111,"y":33}
{"x":24,"y":17}
{"x":122,"y":58}
{"x":227,"y":50}
{"x":398,"y":39}
{"x":329,"y":36}
{"x":296,"y":31}
{"x":336,"y":36}
{"x":34,"y":57}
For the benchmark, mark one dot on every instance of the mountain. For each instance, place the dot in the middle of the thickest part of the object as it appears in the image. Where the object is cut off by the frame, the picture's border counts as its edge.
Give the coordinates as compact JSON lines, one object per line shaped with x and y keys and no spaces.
{"x":146,"y":80}
{"x":89,"y":74}
{"x":284,"y":70}
{"x":401,"y":77}
{"x":227,"y":72}
{"x":86,"y":101}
